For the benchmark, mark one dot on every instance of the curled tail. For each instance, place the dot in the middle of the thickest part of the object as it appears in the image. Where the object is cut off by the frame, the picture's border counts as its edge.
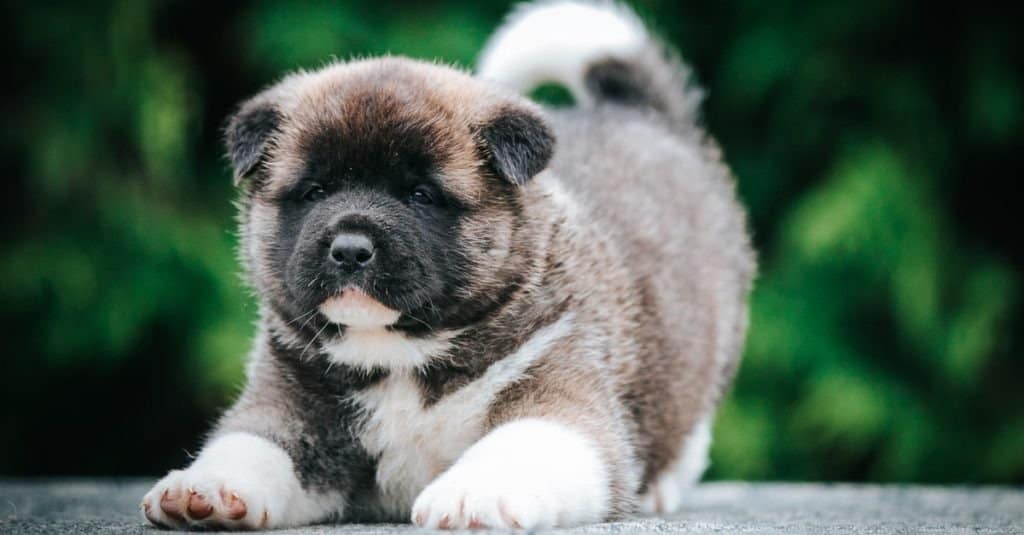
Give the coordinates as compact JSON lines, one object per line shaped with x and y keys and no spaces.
{"x":599,"y":50}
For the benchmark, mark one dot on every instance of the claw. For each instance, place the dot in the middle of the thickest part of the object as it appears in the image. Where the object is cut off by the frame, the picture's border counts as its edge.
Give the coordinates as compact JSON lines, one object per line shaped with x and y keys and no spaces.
{"x":170,"y":502}
{"x":510,"y":520}
{"x":235,"y":506}
{"x":198,"y":507}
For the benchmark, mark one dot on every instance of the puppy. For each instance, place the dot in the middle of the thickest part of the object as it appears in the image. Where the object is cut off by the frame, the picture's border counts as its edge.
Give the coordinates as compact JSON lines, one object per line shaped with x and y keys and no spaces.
{"x":475,"y":312}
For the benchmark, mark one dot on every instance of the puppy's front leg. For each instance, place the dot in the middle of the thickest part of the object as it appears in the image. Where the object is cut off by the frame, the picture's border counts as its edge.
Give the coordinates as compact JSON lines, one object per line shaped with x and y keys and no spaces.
{"x":238,"y":481}
{"x":248,"y":474}
{"x":527,"y":473}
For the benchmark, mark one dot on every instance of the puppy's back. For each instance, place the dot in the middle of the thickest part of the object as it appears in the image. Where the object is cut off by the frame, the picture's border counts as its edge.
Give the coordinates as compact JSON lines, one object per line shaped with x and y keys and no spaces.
{"x":632,"y":147}
{"x":633,"y":155}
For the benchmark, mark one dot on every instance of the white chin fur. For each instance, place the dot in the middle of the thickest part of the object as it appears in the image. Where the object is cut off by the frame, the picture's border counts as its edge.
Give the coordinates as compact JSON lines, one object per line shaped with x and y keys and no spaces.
{"x":356,"y":309}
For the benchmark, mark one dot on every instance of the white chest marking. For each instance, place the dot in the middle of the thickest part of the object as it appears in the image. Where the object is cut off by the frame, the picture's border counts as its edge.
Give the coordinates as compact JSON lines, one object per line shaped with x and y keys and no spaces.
{"x":369,"y":348}
{"x":414,"y":443}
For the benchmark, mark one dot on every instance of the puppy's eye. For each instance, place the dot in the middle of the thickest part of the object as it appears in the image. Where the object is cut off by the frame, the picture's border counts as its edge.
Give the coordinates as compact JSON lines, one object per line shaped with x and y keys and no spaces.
{"x":315,"y":192}
{"x":422,"y":195}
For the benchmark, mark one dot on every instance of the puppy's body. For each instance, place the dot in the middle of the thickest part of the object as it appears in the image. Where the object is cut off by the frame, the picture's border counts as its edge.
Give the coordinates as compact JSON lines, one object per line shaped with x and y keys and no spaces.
{"x":542,"y":343}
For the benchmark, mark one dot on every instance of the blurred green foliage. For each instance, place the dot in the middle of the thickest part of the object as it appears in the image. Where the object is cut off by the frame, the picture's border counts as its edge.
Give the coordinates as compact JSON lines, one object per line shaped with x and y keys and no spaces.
{"x":875,"y":143}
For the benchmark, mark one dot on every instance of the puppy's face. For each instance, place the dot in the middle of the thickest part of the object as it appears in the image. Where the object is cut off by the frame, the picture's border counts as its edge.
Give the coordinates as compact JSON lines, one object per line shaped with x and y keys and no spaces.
{"x":385,"y":193}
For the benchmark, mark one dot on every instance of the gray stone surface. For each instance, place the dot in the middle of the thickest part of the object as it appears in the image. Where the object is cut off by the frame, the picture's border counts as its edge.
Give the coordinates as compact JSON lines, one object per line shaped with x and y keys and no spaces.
{"x":78,"y":506}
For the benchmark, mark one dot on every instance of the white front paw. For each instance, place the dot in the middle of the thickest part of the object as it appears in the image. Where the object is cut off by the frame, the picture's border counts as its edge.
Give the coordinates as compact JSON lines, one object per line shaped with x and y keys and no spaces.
{"x":239,"y":481}
{"x":460,"y":500}
{"x":527,"y":474}
{"x":201,"y":496}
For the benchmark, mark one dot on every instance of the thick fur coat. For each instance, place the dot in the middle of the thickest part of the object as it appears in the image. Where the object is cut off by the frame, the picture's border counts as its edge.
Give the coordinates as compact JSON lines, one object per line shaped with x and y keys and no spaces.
{"x":476,"y":312}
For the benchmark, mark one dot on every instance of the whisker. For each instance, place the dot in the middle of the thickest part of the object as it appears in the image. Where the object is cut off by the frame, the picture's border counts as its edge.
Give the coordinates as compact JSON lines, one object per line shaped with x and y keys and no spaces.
{"x":315,"y":336}
{"x":310,"y":318}
{"x":299,"y":317}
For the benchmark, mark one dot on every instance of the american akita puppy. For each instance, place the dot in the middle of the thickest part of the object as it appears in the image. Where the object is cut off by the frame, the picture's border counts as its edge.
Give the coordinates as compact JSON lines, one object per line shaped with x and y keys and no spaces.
{"x":476,"y":312}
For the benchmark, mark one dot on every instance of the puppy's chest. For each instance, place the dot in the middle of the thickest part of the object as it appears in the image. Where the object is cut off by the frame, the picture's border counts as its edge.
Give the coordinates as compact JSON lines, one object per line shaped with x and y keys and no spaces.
{"x":414,"y":442}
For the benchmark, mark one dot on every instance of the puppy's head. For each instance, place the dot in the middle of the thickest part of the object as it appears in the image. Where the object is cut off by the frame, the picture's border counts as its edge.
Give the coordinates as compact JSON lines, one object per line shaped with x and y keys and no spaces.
{"x":385,"y":193}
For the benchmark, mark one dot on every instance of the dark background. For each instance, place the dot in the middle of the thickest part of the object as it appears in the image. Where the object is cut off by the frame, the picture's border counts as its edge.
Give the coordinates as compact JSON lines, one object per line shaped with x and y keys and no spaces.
{"x":877,"y":144}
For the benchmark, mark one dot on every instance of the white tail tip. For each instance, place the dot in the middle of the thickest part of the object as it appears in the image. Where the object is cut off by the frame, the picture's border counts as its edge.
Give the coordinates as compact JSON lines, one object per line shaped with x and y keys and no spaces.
{"x":555,"y":41}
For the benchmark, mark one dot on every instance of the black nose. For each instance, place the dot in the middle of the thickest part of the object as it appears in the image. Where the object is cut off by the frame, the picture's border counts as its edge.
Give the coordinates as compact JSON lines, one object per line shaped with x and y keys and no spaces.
{"x":351,"y":251}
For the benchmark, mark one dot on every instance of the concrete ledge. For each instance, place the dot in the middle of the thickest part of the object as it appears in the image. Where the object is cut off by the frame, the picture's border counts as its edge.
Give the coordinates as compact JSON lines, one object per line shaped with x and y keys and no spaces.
{"x":82,"y":506}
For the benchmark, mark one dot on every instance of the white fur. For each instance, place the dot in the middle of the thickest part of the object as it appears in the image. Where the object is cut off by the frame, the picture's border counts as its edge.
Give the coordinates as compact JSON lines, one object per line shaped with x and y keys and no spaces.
{"x":414,"y":443}
{"x":694,"y":460}
{"x":529,"y":474}
{"x":359,"y":313}
{"x":378,"y":347}
{"x":665,"y":494}
{"x":554,"y":41}
{"x":258,"y":472}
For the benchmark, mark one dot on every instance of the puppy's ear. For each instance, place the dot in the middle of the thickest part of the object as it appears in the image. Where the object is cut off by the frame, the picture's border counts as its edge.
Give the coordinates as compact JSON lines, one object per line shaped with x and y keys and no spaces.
{"x":517,"y":143}
{"x":247,"y":136}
